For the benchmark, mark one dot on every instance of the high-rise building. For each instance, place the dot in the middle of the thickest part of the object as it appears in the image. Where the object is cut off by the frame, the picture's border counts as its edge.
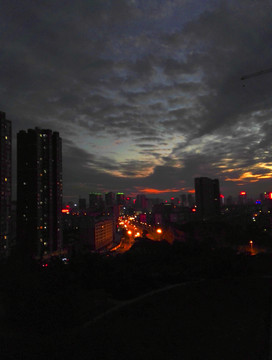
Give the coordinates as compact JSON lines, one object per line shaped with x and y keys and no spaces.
{"x":96,"y":201}
{"x":229,"y":200}
{"x":5,"y":179}
{"x":140,"y":203}
{"x":207,"y":197}
{"x":183,"y":199}
{"x":190,"y":200}
{"x":39,"y":192}
{"x":109,"y":199}
{"x":82,"y":204}
{"x":242,"y":199}
{"x":120,"y":198}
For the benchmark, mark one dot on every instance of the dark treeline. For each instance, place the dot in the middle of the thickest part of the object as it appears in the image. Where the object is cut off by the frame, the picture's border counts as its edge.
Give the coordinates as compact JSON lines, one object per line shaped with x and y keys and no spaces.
{"x":67,"y":295}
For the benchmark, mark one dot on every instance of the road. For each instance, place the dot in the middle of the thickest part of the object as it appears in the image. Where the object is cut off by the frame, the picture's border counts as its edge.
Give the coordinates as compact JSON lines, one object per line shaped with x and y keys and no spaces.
{"x":132,"y":230}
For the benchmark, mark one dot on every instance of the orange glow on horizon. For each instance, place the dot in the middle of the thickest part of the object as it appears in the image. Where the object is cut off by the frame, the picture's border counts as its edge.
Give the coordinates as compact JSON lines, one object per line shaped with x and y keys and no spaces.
{"x":156,"y":191}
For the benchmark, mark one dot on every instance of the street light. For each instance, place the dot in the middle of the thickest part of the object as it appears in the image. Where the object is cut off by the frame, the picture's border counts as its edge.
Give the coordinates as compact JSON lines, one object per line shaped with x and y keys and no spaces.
{"x":159,"y":232}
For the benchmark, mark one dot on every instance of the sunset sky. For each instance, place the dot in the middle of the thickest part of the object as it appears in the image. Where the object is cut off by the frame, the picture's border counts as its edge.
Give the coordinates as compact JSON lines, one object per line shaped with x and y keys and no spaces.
{"x":146,"y":94}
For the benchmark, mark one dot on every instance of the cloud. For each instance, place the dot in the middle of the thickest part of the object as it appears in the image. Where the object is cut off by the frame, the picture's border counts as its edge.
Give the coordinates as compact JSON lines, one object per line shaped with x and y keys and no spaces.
{"x":145,"y":94}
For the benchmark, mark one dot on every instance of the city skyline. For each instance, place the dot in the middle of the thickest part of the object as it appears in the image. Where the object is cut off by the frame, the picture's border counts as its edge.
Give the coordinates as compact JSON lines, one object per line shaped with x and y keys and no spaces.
{"x":146,"y":96}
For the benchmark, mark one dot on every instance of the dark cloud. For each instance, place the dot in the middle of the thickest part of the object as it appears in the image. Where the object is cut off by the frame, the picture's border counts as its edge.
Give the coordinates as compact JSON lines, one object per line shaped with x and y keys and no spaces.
{"x":143,"y":93}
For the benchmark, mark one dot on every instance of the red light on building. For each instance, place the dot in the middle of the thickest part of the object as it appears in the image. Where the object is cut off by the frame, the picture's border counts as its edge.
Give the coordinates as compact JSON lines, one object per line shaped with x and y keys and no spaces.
{"x":270,"y":195}
{"x":172,"y":198}
{"x":243,"y":193}
{"x":193,"y":210}
{"x":222,"y":196}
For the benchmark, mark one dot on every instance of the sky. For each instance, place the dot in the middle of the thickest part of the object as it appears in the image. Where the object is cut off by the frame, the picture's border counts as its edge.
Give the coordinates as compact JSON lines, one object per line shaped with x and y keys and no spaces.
{"x":146,"y":94}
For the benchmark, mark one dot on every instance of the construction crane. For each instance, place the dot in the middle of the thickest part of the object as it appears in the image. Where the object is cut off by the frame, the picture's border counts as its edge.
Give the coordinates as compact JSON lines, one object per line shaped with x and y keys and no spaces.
{"x":245,"y":77}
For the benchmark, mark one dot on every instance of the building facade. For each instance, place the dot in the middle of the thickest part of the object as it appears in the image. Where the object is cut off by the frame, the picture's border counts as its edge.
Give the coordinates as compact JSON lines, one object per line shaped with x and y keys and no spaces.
{"x":5,"y":180}
{"x":207,"y":197}
{"x":109,"y":199}
{"x":39,"y":192}
{"x":141,"y":202}
{"x":96,"y":202}
{"x":96,"y":233}
{"x":82,"y":205}
{"x":120,"y":198}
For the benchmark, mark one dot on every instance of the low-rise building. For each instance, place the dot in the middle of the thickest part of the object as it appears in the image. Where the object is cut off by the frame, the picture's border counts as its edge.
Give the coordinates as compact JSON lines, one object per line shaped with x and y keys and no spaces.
{"x":96,"y":234}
